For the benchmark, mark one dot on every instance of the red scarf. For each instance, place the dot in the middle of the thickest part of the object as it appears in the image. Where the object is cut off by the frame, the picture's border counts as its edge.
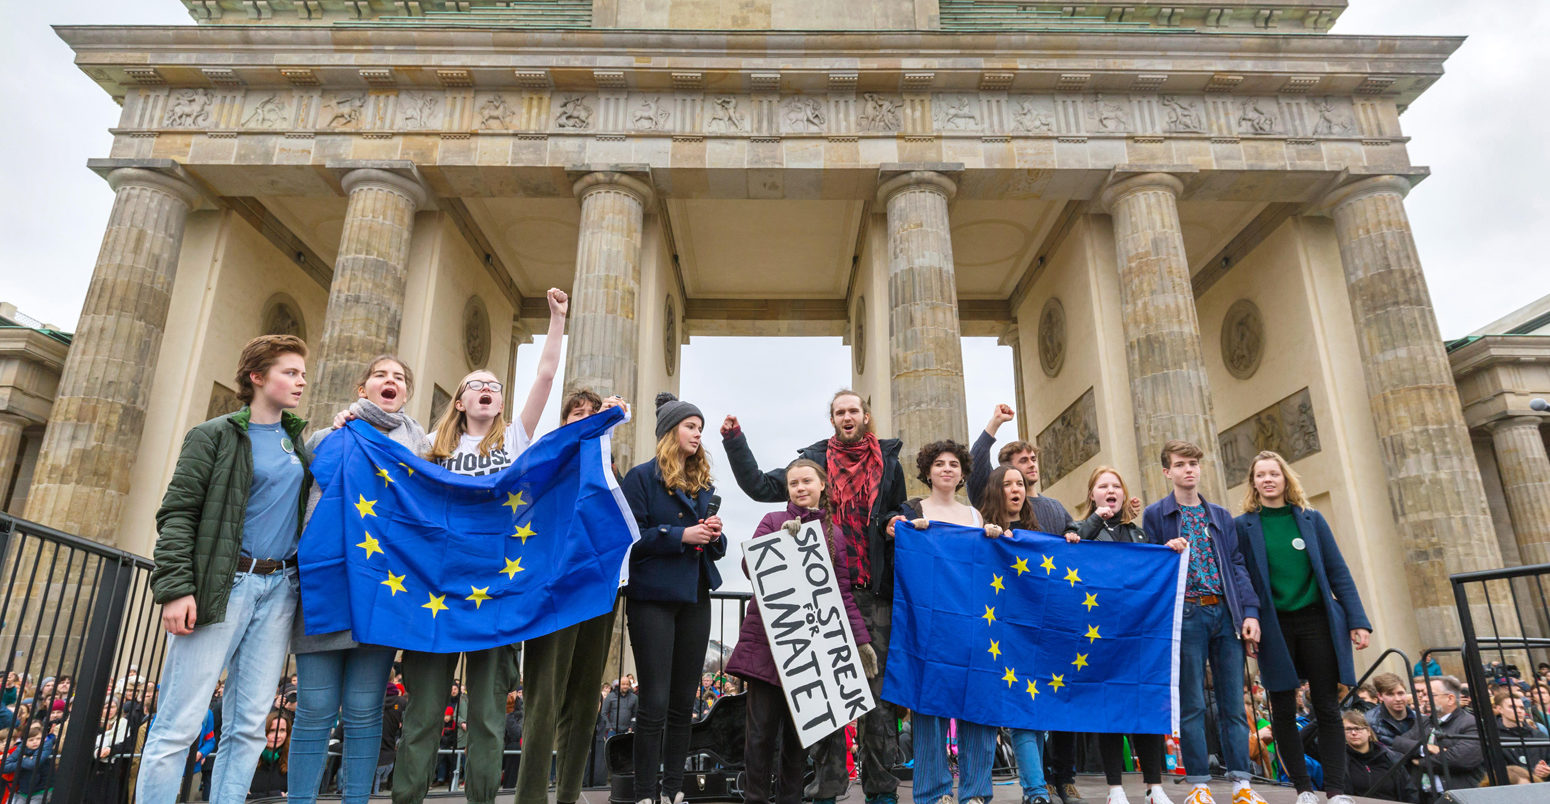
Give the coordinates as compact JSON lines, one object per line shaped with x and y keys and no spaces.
{"x":856,"y":472}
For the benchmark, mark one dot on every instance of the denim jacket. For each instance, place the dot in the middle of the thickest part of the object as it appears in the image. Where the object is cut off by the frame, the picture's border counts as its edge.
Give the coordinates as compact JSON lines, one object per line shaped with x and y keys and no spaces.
{"x":1163,"y":522}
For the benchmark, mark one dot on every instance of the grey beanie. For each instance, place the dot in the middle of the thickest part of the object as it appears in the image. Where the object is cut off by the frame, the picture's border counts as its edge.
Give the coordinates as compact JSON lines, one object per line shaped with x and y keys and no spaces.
{"x":671,"y":410}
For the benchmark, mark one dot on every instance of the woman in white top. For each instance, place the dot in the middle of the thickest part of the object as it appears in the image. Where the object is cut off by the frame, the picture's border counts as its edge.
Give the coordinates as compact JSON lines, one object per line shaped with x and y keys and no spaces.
{"x":472,"y":437}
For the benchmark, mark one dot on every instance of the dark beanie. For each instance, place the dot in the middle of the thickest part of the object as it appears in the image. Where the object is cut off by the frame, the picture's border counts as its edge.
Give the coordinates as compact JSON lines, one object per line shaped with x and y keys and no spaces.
{"x":671,"y":410}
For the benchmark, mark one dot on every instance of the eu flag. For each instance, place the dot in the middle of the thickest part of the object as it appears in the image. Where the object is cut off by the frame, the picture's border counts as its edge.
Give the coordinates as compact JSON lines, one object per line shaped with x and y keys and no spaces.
{"x":410,"y":555}
{"x":1030,"y":632}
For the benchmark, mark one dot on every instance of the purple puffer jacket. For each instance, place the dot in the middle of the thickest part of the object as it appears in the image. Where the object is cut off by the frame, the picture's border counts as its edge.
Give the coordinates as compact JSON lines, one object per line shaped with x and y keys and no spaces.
{"x":751,"y":658}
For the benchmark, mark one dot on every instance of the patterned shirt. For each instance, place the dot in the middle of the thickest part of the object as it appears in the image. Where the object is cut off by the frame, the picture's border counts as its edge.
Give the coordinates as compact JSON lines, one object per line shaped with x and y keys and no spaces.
{"x":1205,"y":578}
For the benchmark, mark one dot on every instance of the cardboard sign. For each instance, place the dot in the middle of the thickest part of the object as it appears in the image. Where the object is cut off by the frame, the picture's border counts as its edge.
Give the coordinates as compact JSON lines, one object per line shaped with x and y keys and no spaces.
{"x":808,"y":630}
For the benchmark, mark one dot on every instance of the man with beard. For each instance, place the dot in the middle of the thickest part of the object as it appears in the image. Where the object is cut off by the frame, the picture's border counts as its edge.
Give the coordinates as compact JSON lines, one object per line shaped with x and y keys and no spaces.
{"x":866,"y":485}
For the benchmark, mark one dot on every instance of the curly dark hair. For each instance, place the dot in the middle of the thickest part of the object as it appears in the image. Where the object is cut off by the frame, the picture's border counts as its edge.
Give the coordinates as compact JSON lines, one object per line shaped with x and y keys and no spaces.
{"x":928,"y":455}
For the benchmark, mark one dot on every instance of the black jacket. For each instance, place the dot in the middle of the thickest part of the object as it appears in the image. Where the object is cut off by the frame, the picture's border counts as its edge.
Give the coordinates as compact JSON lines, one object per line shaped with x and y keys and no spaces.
{"x":392,"y":726}
{"x":1524,"y":756}
{"x":1460,"y":761}
{"x":770,"y":487}
{"x":662,"y":567}
{"x":514,"y":728}
{"x":1385,"y":727}
{"x":1096,"y":528}
{"x":1371,"y":775}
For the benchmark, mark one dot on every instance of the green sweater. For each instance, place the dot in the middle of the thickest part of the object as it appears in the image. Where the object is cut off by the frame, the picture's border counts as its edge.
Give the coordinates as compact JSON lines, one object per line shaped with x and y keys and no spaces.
{"x":1292,"y":585}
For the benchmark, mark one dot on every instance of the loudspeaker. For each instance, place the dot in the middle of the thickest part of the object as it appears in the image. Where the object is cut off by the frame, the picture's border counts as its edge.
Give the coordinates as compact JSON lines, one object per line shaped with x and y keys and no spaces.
{"x":1513,"y":794}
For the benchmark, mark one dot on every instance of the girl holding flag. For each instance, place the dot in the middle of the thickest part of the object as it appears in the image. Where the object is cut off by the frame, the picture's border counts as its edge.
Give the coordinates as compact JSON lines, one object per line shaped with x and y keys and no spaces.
{"x":473,"y":438}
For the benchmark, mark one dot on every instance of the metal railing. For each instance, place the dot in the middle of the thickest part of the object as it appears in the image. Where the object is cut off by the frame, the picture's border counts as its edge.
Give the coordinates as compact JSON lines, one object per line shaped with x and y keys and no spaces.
{"x":78,"y":610}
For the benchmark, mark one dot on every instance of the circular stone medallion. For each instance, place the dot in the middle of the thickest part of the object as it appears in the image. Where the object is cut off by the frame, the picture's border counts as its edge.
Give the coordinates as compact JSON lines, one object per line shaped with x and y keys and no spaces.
{"x":476,"y":333}
{"x":1243,"y":339}
{"x":1052,"y":337}
{"x":670,"y":336}
{"x":282,"y":316}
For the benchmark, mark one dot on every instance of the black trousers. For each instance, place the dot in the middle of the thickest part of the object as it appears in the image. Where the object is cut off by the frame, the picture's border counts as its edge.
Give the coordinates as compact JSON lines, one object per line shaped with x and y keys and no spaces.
{"x":877,"y":733}
{"x":1060,"y":758}
{"x":770,"y":731}
{"x":1312,"y":647}
{"x":1148,"y":749}
{"x":669,"y":640}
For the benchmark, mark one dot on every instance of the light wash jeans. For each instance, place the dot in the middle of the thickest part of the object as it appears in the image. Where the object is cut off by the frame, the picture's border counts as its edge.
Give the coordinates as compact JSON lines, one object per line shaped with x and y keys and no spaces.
{"x":1028,"y":746}
{"x":1210,"y":635}
{"x":976,"y":754}
{"x":348,"y":685}
{"x":251,"y":644}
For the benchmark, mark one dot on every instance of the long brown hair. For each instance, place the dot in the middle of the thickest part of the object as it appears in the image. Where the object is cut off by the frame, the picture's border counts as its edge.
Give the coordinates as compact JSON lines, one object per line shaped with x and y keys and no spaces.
{"x":825,"y":506}
{"x":285,"y":747}
{"x":993,"y":502}
{"x":1124,"y":512}
{"x":454,"y":423}
{"x":1294,"y":493}
{"x":360,"y":385}
{"x":690,"y":475}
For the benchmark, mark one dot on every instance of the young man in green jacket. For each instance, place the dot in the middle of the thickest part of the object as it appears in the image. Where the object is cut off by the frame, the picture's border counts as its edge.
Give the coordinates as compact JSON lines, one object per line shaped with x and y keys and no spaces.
{"x":226,"y":572}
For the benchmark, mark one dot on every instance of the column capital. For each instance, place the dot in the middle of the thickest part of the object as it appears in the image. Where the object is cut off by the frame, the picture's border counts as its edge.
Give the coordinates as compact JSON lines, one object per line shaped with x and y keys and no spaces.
{"x":1516,"y":422}
{"x":1359,"y":189}
{"x":1121,"y":186}
{"x":366,"y":178}
{"x":613,"y":180}
{"x":928,"y":180}
{"x":155,"y":180}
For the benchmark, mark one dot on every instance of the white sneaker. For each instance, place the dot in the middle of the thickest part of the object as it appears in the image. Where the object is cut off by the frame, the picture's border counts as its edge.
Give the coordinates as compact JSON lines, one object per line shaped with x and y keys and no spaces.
{"x":1117,"y":796}
{"x":1308,"y":797}
{"x":1156,"y":795}
{"x":1341,"y":799}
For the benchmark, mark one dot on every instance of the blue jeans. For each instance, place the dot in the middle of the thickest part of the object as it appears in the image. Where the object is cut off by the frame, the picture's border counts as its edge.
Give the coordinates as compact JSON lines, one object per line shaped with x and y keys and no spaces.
{"x":976,"y":753}
{"x":347,"y":684}
{"x":250,"y":644}
{"x":1209,"y":634}
{"x":1028,"y":747}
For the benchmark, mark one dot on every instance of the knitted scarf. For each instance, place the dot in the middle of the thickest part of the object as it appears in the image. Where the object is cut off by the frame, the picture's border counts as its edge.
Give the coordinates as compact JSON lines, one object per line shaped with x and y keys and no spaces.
{"x":855,"y":472}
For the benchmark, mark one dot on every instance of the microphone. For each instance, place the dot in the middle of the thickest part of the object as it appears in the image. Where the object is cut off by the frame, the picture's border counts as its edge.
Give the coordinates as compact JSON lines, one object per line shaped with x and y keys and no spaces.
{"x":1539,"y":405}
{"x":710,"y":511}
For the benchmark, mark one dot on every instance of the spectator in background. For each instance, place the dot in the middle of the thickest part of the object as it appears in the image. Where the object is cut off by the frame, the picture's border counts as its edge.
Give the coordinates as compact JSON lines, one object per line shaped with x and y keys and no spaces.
{"x":269,"y":778}
{"x":1513,"y":718}
{"x":393,"y":704}
{"x":1371,"y":766}
{"x":1448,"y":754}
{"x":619,"y":708}
{"x":511,"y":764}
{"x":31,"y":767}
{"x":1393,"y":716}
{"x":1421,"y":694}
{"x":1427,"y":667}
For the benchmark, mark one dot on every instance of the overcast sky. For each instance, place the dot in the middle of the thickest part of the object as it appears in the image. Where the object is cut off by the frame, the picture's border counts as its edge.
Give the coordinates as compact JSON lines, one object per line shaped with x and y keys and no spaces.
{"x":1478,"y":128}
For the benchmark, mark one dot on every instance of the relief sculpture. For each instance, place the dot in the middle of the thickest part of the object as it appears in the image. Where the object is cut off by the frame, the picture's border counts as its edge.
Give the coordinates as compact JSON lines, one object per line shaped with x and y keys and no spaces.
{"x":1183,"y":115}
{"x":804,"y":114}
{"x":269,"y":113}
{"x":880,"y":113}
{"x":650,"y":115}
{"x":1069,"y":441}
{"x":189,"y":108}
{"x":574,"y":113}
{"x":495,"y":112}
{"x":1286,"y":427}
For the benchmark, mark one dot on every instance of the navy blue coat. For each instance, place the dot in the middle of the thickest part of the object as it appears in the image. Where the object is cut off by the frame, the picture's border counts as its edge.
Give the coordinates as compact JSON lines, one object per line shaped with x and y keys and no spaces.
{"x":662,"y":567}
{"x":1341,"y":600}
{"x":1162,"y":523}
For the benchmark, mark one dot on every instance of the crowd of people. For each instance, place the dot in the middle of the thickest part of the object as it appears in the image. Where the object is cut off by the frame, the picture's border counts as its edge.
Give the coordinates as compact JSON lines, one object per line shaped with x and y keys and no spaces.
{"x":1268,"y":582}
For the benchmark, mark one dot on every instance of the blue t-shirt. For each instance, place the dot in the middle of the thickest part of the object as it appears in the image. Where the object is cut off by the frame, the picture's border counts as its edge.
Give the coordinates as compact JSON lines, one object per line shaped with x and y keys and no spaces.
{"x":274,"y":501}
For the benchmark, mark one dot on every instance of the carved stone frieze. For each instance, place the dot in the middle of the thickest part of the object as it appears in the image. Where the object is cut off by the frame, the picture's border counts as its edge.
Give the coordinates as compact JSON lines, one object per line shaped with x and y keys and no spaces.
{"x":188,"y":108}
{"x":574,"y":113}
{"x":880,"y":113}
{"x":1287,"y":427}
{"x":1069,"y":441}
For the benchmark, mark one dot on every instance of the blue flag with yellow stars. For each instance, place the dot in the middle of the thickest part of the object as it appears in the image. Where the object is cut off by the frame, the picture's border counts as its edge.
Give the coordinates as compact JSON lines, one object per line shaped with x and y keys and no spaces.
{"x":410,"y":555}
{"x":1030,"y":632}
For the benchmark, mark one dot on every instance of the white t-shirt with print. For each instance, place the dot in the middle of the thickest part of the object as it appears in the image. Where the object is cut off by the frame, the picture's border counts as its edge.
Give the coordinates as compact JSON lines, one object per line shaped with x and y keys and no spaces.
{"x":466,"y":460}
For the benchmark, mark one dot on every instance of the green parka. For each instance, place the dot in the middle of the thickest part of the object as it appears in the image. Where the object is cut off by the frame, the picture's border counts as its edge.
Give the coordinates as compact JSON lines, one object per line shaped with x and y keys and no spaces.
{"x":199,"y":524}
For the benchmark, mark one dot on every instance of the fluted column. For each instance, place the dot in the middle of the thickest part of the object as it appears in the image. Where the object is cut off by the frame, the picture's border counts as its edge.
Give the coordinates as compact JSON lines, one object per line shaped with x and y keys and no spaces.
{"x":88,"y":452}
{"x":1169,"y":392}
{"x":924,"y":339}
{"x":1525,"y":471}
{"x":1434,"y":482}
{"x":601,"y":353}
{"x":366,"y":297}
{"x":11,"y":427}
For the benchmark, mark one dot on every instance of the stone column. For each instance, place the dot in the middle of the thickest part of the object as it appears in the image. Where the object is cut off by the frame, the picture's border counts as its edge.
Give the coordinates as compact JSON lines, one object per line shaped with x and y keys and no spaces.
{"x":601,"y":353}
{"x":924,"y":340}
{"x":88,"y":452}
{"x":11,"y":427}
{"x":366,"y":297}
{"x":1434,"y":483}
{"x":1169,"y":392}
{"x":1525,"y":471}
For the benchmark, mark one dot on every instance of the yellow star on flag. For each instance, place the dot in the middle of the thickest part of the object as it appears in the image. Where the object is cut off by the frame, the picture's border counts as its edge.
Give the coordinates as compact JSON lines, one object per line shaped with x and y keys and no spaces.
{"x":370,"y":545}
{"x":523,"y":532}
{"x":1010,"y":678}
{"x":436,"y":605}
{"x":407,"y":468}
{"x":514,"y":501}
{"x":1021,"y":565}
{"x":1072,"y":576}
{"x":1092,"y":634}
{"x":995,"y":649}
{"x":386,"y":478}
{"x":1091,"y":601}
{"x":480,"y":594}
{"x":996,"y":584}
{"x":1057,"y":681}
{"x":513,"y":567}
{"x":989,"y":616}
{"x":1081,"y":661}
{"x":395,"y":583}
{"x":364,"y":507}
{"x":1033,"y":690}
{"x":1048,"y":565}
